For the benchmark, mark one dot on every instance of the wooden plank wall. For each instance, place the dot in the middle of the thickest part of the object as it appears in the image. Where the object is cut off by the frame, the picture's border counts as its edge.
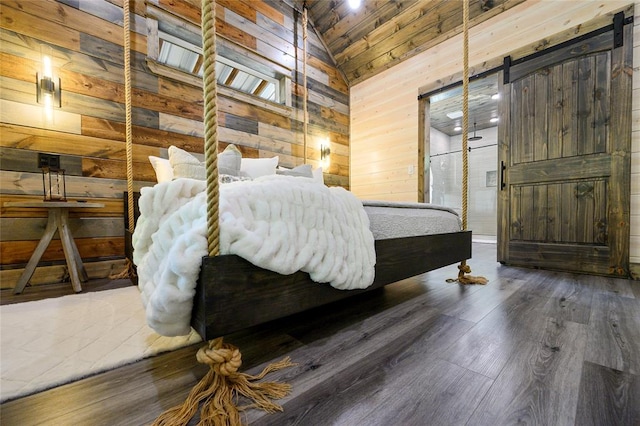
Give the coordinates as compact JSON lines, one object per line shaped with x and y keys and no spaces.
{"x":86,"y":39}
{"x":384,"y":108}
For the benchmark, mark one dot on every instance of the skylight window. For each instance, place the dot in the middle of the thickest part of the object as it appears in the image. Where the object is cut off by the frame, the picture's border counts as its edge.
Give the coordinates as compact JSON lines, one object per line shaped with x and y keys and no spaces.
{"x":178,"y":57}
{"x":186,"y":57}
{"x":244,"y":79}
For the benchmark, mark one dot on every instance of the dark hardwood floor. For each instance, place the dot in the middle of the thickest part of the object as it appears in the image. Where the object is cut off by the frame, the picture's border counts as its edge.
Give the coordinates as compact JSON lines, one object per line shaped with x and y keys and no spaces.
{"x":531,"y":347}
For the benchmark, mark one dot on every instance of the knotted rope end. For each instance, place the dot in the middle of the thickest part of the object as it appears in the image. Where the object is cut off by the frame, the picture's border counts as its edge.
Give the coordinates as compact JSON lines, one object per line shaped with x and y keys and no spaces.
{"x":220,"y":389}
{"x":463,"y":269}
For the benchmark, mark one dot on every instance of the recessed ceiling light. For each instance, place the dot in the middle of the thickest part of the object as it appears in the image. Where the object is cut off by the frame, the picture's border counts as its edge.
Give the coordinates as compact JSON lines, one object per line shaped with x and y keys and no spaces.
{"x":454,"y":114}
{"x":354,"y":4}
{"x":457,"y":128}
{"x":494,"y":120}
{"x":496,"y":96}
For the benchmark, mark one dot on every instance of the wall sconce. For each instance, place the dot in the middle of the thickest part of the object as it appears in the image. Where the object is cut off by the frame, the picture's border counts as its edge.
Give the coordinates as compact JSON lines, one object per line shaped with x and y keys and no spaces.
{"x":53,"y":184}
{"x":325,"y":151}
{"x":48,"y":89}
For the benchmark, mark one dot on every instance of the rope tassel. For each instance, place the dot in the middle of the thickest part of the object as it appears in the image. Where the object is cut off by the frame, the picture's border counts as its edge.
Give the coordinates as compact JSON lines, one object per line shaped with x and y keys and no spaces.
{"x":221,"y":387}
{"x":463,"y":267}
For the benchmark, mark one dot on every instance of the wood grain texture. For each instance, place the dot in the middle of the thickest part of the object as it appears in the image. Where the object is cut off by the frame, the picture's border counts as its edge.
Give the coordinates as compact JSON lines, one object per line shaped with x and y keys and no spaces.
{"x":539,"y":383}
{"x":112,"y":207}
{"x":577,"y":199}
{"x":385,"y":103}
{"x":571,"y":299}
{"x":86,"y":41}
{"x":616,"y":393}
{"x":73,"y":18}
{"x":354,"y":396}
{"x":385,"y":356}
{"x":488,"y":346}
{"x":45,"y":277}
{"x":19,"y":252}
{"x":380,"y":34}
{"x":14,"y":229}
{"x":614,"y":338}
{"x":218,"y":311}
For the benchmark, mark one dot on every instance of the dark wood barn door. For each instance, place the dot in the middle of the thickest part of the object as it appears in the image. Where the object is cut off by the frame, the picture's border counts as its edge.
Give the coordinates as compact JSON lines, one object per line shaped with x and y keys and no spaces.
{"x":565,"y":141}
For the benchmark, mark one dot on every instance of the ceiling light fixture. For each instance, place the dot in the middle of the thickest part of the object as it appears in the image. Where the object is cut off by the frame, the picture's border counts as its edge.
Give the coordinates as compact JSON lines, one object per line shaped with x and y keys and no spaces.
{"x":454,"y":114}
{"x":475,"y":137}
{"x":354,"y":4}
{"x":494,"y":120}
{"x":496,"y":96}
{"x":457,"y":129}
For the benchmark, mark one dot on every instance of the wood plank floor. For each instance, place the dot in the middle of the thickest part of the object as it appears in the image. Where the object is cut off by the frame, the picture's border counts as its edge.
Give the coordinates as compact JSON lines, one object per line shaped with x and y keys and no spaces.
{"x":531,"y":347}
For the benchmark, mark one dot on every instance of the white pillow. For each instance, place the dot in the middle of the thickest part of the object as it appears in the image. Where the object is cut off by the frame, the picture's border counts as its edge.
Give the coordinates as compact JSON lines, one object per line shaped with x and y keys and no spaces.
{"x":162,"y":167}
{"x":185,"y":165}
{"x":256,"y":167}
{"x":303,"y":170}
{"x":318,"y":176}
{"x":229,"y":161}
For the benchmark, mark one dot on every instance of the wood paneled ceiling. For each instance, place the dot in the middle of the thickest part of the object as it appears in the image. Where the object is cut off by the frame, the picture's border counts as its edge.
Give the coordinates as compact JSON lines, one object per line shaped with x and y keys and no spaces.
{"x":382,"y":33}
{"x":483,"y":107}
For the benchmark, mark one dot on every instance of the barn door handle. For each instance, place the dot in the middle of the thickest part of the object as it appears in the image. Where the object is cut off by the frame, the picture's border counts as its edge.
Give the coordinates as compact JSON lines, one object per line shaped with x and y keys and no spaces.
{"x":502,"y":169}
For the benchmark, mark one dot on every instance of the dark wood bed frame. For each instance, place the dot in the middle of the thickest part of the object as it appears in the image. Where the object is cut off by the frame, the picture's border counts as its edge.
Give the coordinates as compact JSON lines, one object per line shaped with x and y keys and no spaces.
{"x":266,"y":295}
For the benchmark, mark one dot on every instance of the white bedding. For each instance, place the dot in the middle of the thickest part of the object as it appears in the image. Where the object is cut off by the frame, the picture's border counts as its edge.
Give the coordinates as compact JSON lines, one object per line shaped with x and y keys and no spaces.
{"x":280,"y":223}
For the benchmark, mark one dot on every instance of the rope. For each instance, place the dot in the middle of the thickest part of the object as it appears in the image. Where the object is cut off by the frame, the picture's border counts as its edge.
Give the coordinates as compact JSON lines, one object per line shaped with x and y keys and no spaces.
{"x":221,"y":387}
{"x":463,"y":268}
{"x":129,"y":270}
{"x":465,"y":110}
{"x":210,"y":124}
{"x":127,"y":105}
{"x":304,"y":79}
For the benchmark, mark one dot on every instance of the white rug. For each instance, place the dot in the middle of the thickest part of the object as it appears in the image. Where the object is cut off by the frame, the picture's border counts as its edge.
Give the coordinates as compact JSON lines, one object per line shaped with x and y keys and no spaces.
{"x":54,"y":341}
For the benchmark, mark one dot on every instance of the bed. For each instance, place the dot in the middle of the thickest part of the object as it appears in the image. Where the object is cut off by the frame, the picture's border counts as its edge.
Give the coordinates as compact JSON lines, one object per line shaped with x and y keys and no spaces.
{"x":231,"y":293}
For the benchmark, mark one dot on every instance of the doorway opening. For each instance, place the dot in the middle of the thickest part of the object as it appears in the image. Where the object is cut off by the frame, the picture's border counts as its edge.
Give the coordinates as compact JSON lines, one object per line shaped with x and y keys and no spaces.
{"x":443,"y":154}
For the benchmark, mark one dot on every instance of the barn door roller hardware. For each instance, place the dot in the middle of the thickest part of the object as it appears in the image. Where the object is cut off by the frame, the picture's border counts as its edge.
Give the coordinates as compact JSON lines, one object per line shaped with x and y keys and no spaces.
{"x":618,"y":26}
{"x":619,"y":21}
{"x":506,"y":66}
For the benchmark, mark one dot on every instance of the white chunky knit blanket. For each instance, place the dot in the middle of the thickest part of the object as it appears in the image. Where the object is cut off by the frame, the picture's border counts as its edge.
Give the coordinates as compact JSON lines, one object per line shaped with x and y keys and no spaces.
{"x":279,"y":223}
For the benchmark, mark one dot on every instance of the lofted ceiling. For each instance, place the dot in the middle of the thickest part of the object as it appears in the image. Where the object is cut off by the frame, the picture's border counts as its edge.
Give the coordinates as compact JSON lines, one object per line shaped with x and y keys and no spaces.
{"x":382,"y":33}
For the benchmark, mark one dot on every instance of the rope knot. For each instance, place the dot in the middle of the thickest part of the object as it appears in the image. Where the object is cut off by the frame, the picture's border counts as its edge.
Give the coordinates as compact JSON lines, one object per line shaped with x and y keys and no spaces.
{"x":224,"y":358}
{"x":464,"y":268}
{"x":219,"y":390}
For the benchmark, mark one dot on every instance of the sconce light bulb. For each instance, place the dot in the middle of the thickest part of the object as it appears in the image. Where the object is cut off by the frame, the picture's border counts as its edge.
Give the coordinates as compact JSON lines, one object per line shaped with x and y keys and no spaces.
{"x":47,"y":69}
{"x":47,"y":99}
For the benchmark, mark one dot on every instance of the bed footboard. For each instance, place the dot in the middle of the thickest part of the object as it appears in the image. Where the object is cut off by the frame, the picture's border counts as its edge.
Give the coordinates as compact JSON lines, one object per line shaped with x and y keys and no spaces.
{"x":233,"y":294}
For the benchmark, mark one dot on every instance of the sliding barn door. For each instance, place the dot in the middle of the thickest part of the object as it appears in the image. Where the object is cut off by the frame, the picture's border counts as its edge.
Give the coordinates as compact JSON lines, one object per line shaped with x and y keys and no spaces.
{"x":565,"y":140}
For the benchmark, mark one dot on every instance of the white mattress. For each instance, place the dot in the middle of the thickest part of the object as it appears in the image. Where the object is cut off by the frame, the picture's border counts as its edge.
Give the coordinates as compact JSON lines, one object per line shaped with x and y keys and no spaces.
{"x":399,"y":220}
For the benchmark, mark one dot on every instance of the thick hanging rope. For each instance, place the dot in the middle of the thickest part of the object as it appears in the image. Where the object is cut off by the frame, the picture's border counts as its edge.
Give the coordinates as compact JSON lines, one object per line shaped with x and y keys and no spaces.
{"x":210,"y":124}
{"x":305,"y":21}
{"x":128,"y":270}
{"x":221,"y":387}
{"x":127,"y":105}
{"x":463,"y":268}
